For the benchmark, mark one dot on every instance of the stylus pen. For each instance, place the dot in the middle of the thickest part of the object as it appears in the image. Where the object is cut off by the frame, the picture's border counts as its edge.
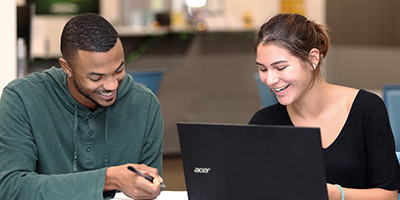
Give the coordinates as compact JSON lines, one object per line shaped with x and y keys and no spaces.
{"x":149,"y":178}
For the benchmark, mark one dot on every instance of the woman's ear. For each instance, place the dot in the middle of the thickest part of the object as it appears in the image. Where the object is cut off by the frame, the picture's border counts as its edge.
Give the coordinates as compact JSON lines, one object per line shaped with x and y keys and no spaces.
{"x":65,"y":66}
{"x":314,"y":56}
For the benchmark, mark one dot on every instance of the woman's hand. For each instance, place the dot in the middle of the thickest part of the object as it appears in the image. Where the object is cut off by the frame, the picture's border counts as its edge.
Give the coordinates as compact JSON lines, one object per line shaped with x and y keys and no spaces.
{"x":334,"y":193}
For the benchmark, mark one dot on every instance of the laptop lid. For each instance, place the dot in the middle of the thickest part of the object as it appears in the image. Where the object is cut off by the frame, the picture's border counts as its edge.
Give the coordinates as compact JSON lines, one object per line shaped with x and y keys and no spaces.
{"x":226,"y":161}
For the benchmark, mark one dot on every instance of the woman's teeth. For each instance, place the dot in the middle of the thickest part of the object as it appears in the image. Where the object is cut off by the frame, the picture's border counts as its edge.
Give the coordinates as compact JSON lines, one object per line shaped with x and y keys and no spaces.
{"x":281,"y":88}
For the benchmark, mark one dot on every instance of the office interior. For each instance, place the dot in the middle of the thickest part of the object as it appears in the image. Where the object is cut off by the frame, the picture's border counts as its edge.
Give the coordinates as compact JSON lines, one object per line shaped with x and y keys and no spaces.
{"x":206,"y":53}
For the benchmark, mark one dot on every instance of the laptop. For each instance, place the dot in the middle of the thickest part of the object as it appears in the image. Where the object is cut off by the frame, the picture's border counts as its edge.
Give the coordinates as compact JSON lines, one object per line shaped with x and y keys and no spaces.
{"x":231,"y":161}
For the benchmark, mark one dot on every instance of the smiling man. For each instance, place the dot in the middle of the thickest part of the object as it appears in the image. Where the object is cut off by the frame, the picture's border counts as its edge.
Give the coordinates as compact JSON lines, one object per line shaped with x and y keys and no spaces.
{"x":92,"y":80}
{"x":71,"y":133}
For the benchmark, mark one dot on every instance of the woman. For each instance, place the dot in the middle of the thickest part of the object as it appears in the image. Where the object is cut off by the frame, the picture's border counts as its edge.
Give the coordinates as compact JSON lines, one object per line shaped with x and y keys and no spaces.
{"x":358,"y":146}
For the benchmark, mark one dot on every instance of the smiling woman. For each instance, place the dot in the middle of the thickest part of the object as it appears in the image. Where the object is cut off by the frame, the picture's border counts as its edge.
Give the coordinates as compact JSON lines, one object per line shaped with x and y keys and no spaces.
{"x":284,"y":73}
{"x":298,"y":37}
{"x":358,"y":146}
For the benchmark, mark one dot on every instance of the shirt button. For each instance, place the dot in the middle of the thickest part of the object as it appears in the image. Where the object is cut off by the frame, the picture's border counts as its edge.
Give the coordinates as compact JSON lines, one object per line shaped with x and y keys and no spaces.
{"x":88,"y":149}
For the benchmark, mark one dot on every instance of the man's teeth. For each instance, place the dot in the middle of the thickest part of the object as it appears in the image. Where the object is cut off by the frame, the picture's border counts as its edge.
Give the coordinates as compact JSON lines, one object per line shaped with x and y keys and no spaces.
{"x":106,"y":94}
{"x":281,"y":88}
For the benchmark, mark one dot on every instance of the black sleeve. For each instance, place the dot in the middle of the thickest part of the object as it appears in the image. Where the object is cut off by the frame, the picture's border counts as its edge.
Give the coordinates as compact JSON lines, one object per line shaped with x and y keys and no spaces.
{"x":383,"y":166}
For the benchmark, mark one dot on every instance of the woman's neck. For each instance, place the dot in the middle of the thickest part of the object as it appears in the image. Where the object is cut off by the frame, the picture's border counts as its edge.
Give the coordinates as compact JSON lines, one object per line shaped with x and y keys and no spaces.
{"x":313,"y":102}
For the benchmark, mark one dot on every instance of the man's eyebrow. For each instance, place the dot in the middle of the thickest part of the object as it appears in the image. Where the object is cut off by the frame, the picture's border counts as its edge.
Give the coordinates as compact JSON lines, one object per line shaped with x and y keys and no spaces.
{"x":95,"y":74}
{"x":100,"y":74}
{"x":122,"y":63}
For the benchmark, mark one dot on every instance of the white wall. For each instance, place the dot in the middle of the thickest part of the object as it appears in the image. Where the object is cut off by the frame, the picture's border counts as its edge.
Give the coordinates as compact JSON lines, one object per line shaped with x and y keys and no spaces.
{"x":8,"y":41}
{"x":316,"y":10}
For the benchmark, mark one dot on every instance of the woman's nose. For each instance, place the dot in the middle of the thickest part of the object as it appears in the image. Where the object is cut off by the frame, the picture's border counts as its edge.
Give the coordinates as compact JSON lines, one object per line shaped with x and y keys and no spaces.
{"x":269,"y":78}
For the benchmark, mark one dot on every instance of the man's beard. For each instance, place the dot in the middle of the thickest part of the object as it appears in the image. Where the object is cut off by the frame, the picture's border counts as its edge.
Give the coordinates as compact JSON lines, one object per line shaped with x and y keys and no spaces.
{"x":85,"y":94}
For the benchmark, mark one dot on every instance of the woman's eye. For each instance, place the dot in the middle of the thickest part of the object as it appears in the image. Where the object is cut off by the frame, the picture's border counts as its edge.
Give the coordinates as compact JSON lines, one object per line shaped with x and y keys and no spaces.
{"x":281,"y":68}
{"x":262,"y":69}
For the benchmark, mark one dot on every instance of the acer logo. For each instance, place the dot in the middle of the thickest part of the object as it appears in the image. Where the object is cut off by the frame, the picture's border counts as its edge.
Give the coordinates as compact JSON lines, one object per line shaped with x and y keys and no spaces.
{"x":200,"y":170}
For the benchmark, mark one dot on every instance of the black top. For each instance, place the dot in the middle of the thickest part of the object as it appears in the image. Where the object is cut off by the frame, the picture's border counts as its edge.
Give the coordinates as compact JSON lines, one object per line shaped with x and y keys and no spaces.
{"x":363,"y":154}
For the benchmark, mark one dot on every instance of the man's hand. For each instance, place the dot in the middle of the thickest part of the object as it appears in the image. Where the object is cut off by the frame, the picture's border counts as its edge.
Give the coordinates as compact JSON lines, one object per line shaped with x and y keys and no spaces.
{"x":131,"y":184}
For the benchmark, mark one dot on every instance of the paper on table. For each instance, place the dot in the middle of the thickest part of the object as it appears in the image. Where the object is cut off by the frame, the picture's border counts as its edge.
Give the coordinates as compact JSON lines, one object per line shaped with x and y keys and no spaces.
{"x":165,"y":195}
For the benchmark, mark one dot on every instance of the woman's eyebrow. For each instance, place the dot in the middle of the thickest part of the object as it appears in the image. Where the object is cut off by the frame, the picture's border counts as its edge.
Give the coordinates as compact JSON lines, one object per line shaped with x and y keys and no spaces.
{"x":272,"y":64}
{"x":278,"y":62}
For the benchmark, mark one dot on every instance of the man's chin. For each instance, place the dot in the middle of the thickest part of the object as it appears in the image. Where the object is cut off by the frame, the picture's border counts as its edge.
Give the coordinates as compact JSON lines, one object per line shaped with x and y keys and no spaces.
{"x":103,"y":103}
{"x":106,"y":104}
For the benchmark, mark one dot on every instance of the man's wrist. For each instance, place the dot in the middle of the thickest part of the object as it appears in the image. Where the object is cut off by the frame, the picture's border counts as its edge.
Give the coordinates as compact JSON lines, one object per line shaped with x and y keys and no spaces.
{"x":110,"y":180}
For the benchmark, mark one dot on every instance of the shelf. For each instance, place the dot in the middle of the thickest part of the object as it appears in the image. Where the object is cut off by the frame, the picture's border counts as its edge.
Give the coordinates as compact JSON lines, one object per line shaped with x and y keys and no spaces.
{"x":129,"y":31}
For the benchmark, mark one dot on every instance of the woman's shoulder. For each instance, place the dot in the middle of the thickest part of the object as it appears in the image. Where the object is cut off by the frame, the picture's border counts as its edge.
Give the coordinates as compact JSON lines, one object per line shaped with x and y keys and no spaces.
{"x":355,"y":99}
{"x":368,"y":97}
{"x":345,"y":92}
{"x":353,"y":95}
{"x":350,"y":92}
{"x":360,"y":98}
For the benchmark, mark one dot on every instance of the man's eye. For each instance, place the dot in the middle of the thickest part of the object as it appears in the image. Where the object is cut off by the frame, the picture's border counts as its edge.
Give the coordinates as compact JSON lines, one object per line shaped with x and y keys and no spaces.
{"x":95,"y":79}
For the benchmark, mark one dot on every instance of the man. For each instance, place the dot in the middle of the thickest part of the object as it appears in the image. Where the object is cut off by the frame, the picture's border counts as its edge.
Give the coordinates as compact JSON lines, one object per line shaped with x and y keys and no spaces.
{"x":71,"y":133}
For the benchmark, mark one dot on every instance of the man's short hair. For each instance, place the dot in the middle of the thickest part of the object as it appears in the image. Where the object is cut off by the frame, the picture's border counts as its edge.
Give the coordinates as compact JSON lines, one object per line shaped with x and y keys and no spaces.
{"x":87,"y":32}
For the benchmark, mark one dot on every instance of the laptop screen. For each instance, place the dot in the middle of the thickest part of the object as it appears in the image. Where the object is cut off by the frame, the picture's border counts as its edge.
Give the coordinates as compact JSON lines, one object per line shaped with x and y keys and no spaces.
{"x":227,"y":161}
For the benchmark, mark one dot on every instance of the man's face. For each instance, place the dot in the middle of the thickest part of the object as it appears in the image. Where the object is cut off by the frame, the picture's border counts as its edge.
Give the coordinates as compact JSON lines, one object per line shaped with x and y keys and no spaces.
{"x":97,"y":76}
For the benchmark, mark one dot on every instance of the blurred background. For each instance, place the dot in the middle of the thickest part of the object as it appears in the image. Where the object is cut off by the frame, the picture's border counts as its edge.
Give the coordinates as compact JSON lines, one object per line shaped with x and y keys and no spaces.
{"x":202,"y":50}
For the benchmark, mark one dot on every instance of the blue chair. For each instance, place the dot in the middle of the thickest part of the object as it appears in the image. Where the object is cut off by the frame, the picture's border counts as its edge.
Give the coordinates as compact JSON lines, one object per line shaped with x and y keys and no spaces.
{"x":149,"y":78}
{"x":264,"y":93}
{"x":391,"y":97}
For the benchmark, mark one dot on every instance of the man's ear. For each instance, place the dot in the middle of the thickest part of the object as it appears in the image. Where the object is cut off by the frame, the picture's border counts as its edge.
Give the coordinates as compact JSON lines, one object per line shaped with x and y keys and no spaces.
{"x":313,"y":56}
{"x":65,"y":66}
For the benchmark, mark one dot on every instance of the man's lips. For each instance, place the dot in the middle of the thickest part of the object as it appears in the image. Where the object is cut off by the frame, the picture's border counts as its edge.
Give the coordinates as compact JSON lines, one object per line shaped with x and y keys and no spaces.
{"x":107,"y":95}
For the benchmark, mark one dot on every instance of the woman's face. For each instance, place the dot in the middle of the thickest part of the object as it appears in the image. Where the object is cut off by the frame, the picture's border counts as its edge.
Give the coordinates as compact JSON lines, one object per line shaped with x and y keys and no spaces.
{"x":284,"y":73}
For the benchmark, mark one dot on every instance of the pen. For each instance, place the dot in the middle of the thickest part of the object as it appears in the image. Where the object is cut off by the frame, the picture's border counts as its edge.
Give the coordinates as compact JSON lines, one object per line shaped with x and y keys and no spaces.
{"x":147,"y":177}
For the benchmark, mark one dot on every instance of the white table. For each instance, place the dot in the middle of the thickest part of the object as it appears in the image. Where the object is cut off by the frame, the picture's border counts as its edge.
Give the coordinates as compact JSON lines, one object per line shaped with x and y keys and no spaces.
{"x":165,"y":195}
